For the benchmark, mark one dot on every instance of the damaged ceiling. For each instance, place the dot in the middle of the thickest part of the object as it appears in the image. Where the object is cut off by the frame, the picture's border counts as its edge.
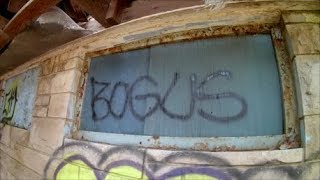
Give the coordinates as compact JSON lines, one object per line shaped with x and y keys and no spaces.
{"x":29,"y":28}
{"x":50,"y":30}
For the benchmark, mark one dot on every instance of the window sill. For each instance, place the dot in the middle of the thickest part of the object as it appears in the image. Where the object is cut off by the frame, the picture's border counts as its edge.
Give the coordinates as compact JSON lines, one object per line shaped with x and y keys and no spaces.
{"x":185,"y":143}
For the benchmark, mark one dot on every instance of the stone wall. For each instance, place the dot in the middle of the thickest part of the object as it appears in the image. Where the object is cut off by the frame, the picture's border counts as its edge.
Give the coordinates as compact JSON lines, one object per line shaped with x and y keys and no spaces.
{"x":303,"y":42}
{"x":48,"y":148}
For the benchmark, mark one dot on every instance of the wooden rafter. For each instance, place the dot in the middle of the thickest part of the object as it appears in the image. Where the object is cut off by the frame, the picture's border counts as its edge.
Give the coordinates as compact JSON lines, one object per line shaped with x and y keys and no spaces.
{"x":144,"y":8}
{"x":75,"y":12}
{"x":113,"y":12}
{"x":30,"y":11}
{"x":3,"y":37}
{"x":3,"y":22}
{"x":106,"y":12}
{"x":15,"y":5}
{"x":97,"y":9}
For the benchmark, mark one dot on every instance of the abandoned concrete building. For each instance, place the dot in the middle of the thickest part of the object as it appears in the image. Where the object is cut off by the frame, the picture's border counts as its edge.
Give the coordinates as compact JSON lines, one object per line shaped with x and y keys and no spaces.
{"x":160,"y":89}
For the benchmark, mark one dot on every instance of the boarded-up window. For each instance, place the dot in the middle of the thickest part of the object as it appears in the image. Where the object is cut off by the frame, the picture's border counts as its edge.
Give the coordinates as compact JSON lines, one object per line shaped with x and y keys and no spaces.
{"x":17,"y":102}
{"x":214,"y":87}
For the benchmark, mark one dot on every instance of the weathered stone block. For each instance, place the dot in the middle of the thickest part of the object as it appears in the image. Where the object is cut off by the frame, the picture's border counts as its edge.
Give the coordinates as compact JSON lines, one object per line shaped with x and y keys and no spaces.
{"x":303,"y":39}
{"x":76,"y":52}
{"x":66,"y":81}
{"x":75,"y":62}
{"x":311,"y":137}
{"x":44,"y":85}
{"x":307,"y":80}
{"x":47,"y":67}
{"x":42,"y":100}
{"x":47,"y":134}
{"x":12,"y":166}
{"x":59,"y":64}
{"x":62,"y":105}
{"x":312,"y":171}
{"x":3,"y":172}
{"x":40,"y":111}
{"x":68,"y":129}
{"x":30,"y":158}
{"x":301,"y":17}
{"x":10,"y":176}
{"x":5,"y":134}
{"x":19,"y":136}
{"x":246,"y":158}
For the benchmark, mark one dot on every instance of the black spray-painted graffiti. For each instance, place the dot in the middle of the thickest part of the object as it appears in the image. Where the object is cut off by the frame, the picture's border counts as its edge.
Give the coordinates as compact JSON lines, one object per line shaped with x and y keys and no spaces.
{"x":10,"y":101}
{"x":196,"y":93}
{"x":133,"y":163}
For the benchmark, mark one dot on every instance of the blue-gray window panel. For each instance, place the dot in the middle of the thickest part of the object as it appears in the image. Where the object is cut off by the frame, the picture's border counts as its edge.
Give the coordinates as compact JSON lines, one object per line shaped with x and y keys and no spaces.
{"x":122,"y":67}
{"x":253,"y":76}
{"x":23,"y":103}
{"x":251,"y":62}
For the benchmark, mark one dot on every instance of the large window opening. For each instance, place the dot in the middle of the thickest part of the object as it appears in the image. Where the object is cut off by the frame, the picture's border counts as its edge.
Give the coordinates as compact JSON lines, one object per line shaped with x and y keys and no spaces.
{"x":226,"y":87}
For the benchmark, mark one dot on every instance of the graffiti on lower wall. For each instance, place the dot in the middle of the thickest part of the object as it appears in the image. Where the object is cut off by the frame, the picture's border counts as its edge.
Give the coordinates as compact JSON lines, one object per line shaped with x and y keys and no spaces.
{"x":18,"y":99}
{"x":88,"y":161}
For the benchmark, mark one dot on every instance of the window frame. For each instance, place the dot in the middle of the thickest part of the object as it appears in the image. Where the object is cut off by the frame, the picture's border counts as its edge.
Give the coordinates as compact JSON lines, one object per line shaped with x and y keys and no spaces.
{"x":290,"y":118}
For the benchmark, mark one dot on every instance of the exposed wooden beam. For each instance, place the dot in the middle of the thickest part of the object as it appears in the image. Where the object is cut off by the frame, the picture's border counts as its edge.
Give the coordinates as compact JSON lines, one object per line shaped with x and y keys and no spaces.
{"x":75,"y":12}
{"x":4,"y":11}
{"x":140,"y":8}
{"x":4,"y":38}
{"x":113,"y":12}
{"x":96,"y":8}
{"x":3,"y":22}
{"x":30,"y":11}
{"x":106,"y":12}
{"x":15,"y":5}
